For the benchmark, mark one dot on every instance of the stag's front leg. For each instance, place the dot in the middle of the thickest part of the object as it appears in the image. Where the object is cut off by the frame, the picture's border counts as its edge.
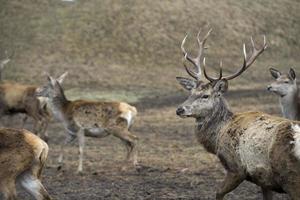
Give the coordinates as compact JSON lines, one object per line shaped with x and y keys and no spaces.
{"x":81,"y":146}
{"x":231,"y":181}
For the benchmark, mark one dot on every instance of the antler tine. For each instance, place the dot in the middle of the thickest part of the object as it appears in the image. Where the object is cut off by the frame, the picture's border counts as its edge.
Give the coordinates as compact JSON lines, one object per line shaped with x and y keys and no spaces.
{"x":212,"y":79}
{"x":248,"y":61}
{"x":191,"y":73}
{"x":195,"y":61}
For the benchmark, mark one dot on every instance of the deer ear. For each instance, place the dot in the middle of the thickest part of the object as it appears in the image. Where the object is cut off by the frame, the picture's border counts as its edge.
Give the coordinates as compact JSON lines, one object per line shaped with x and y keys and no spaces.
{"x":187,"y":83}
{"x":51,"y":80}
{"x":61,"y":79}
{"x":221,"y":86}
{"x":274,"y":72}
{"x":292,"y":74}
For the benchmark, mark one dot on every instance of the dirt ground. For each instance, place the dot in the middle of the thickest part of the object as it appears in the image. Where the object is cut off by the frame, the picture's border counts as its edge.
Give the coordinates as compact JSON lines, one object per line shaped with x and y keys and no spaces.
{"x":173,"y":164}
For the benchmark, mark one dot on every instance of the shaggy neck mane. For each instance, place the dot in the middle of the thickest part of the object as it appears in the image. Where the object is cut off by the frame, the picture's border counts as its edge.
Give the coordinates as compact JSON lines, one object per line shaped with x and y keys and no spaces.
{"x":208,"y":127}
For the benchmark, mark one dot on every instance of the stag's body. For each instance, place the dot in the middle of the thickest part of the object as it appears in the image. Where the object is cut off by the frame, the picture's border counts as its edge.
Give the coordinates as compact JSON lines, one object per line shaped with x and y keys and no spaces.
{"x":18,"y":98}
{"x":251,"y":146}
{"x":285,"y":87}
{"x":22,"y":158}
{"x":91,"y":118}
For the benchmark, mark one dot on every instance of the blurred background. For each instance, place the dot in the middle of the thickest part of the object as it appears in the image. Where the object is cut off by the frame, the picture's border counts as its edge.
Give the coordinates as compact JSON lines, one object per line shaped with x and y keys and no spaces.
{"x":130,"y":50}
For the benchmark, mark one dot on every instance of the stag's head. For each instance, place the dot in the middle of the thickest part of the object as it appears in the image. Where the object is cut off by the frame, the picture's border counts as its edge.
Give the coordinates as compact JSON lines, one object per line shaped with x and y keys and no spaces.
{"x":206,"y":98}
{"x":52,"y":88}
{"x":284,"y":84}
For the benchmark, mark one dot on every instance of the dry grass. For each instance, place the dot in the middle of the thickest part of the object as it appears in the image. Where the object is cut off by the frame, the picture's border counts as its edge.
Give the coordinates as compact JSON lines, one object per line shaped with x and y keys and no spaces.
{"x":134,"y":45}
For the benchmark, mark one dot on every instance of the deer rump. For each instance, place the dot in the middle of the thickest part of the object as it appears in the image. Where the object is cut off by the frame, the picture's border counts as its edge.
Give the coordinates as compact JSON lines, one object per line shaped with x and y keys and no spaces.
{"x":266,"y":149}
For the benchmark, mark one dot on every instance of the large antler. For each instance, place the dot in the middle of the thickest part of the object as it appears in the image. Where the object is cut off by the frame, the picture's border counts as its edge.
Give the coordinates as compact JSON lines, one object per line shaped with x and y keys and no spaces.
{"x":197,"y":60}
{"x":247,"y":62}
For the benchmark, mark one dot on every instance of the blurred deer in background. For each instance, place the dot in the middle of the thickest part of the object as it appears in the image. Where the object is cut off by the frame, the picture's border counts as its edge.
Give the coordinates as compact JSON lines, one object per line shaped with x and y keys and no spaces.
{"x":285,"y":86}
{"x":22,"y":159}
{"x":252,"y":146}
{"x":90,"y":118}
{"x":4,"y":62}
{"x":18,"y":98}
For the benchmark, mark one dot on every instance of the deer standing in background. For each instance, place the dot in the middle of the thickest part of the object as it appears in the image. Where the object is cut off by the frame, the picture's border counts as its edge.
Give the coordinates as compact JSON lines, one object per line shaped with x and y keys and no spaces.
{"x":4,"y":62}
{"x":285,"y":86}
{"x":22,"y":158}
{"x":18,"y":98}
{"x":253,"y":146}
{"x":90,"y":118}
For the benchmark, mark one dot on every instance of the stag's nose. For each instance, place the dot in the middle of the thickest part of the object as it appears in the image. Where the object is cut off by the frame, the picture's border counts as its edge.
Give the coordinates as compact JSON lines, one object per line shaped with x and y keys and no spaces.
{"x":180,"y":111}
{"x":269,"y":87}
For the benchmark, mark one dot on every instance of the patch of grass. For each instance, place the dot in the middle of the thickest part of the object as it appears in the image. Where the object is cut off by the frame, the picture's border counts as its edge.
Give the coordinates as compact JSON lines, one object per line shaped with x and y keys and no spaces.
{"x":112,"y":95}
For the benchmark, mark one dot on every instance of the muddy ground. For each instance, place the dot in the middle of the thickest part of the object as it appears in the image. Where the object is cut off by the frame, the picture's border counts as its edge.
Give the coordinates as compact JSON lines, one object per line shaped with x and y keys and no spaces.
{"x":173,"y":165}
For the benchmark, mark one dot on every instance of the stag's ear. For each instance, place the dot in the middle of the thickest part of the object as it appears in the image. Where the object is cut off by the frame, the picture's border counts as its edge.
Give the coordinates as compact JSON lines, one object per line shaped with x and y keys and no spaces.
{"x":221,"y":86}
{"x":187,"y":83}
{"x":292,"y":74}
{"x":61,"y":79}
{"x":274,"y":72}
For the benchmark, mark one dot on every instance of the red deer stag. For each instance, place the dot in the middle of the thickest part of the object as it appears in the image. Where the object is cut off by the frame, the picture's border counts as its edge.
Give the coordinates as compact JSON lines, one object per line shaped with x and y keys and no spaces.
{"x":22,"y":158}
{"x":285,"y":87}
{"x":253,"y":146}
{"x":90,"y":118}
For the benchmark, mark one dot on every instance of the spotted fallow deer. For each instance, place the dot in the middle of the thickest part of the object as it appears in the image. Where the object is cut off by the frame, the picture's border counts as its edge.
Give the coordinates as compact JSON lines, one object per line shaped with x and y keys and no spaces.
{"x":22,"y":158}
{"x":285,"y":86}
{"x":253,"y":146}
{"x":90,"y":118}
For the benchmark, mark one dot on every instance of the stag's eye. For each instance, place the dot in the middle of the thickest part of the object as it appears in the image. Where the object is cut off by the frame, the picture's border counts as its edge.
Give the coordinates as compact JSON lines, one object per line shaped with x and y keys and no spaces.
{"x":286,"y":82}
{"x":205,"y":96}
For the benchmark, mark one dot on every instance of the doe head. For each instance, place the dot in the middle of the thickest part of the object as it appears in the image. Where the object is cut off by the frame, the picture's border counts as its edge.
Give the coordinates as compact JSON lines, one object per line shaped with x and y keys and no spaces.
{"x":284,"y":84}
{"x":52,"y":88}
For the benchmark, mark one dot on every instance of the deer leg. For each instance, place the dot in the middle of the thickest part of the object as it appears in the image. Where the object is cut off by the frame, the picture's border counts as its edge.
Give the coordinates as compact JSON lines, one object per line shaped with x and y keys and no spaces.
{"x":36,"y":127}
{"x":81,"y":146}
{"x":33,"y":186}
{"x":267,"y":194}
{"x":25,"y":118}
{"x":129,"y":140}
{"x":68,"y":140}
{"x":231,"y":181}
{"x":44,"y":132}
{"x":9,"y":190}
